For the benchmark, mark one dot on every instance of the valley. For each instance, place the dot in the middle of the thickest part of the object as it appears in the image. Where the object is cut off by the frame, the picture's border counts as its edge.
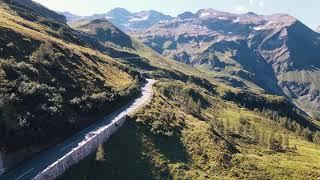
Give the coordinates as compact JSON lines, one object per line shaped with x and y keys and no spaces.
{"x":235,"y":96}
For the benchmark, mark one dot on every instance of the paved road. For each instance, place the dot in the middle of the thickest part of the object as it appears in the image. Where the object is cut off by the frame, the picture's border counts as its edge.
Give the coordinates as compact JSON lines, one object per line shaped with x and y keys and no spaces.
{"x":30,"y":169}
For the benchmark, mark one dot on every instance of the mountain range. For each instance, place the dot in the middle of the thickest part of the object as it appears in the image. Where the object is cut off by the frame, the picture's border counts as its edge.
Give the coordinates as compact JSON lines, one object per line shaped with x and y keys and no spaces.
{"x":124,"y":19}
{"x":276,"y":52}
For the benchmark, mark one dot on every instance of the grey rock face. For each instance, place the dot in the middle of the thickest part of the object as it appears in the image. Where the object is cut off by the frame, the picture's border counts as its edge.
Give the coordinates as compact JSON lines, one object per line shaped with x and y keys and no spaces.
{"x":126,"y":20}
{"x":276,"y":52}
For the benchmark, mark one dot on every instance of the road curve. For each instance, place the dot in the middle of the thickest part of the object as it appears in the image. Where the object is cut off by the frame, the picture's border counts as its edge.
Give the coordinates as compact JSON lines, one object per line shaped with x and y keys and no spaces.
{"x":44,"y":160}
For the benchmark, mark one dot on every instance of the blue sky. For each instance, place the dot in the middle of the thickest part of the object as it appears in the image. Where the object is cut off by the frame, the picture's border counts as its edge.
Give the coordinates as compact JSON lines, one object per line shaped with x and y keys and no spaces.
{"x":306,"y":11}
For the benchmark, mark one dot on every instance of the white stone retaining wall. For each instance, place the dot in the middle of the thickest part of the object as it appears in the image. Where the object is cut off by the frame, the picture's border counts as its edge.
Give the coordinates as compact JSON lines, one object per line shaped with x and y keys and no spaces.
{"x":84,"y":149}
{"x":92,"y":140}
{"x":95,"y":138}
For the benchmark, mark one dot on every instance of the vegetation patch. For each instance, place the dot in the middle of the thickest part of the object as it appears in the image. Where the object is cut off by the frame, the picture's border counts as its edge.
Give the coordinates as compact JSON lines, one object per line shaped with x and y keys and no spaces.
{"x":219,"y":141}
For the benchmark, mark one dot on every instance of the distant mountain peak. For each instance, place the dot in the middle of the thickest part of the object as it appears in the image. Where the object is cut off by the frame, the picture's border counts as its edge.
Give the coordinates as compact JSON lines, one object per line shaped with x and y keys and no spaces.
{"x":186,"y":15}
{"x":119,"y":10}
{"x":97,"y":21}
{"x":128,"y":21}
{"x":209,"y":12}
{"x":251,"y":14}
{"x":280,"y":41}
{"x":70,"y":16}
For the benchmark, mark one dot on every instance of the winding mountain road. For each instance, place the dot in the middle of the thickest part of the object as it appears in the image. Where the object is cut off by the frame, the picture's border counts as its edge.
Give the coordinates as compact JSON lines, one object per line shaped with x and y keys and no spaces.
{"x":43,"y":161}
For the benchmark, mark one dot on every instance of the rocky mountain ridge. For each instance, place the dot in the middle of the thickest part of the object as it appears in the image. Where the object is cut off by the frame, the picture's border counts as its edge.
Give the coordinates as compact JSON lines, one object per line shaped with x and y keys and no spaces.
{"x":34,"y":7}
{"x":124,"y":19}
{"x":276,"y":52}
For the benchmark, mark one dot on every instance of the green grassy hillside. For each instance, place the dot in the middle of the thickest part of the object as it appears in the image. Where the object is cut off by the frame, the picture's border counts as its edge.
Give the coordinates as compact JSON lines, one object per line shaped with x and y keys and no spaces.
{"x":189,"y":133}
{"x":51,"y":82}
{"x":200,"y":127}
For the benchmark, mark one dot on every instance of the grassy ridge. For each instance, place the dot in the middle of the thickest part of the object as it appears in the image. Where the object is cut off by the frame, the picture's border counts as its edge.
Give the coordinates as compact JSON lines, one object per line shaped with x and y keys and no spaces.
{"x":51,"y":82}
{"x":179,"y":136}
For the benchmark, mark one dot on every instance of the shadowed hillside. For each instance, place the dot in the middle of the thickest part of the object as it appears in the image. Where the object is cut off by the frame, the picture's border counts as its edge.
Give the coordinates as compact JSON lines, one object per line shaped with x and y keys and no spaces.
{"x":51,"y":82}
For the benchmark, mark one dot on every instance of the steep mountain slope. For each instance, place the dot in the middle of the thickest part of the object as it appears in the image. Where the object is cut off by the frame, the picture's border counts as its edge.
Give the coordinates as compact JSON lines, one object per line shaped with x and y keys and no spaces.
{"x":55,"y":80}
{"x":177,"y":135}
{"x":187,"y":133}
{"x":37,"y":8}
{"x":318,"y":29}
{"x":144,"y":60}
{"x":51,"y":83}
{"x":70,"y":17}
{"x":277,"y":52}
{"x":125,"y":20}
{"x":104,"y":31}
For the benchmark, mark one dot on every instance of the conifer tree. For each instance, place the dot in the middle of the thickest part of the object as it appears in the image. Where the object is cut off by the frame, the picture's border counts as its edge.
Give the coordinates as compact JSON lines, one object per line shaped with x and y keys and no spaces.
{"x":316,"y":137}
{"x":198,"y":106}
{"x":280,"y":140}
{"x":307,"y":134}
{"x":256,"y":134}
{"x":297,"y":129}
{"x":272,"y":141}
{"x":286,"y":142}
{"x":100,"y":154}
{"x":275,"y":144}
{"x":263,"y":138}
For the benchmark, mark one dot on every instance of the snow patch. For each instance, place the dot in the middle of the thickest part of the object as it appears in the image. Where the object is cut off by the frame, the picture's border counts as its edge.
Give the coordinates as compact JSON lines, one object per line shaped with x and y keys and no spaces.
{"x":163,"y":21}
{"x":236,"y":20}
{"x":222,"y":18}
{"x":270,"y":22}
{"x":137,"y":19}
{"x":258,"y":28}
{"x":204,"y":14}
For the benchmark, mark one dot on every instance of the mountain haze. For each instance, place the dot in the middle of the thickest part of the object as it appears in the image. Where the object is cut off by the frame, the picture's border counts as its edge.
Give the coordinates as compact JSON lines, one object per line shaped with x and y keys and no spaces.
{"x":124,"y":19}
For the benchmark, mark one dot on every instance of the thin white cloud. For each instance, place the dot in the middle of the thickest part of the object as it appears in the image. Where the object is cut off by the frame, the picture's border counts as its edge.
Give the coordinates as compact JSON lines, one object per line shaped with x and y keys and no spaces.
{"x":260,"y":3}
{"x":241,"y":9}
{"x":251,"y":2}
{"x":248,"y":5}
